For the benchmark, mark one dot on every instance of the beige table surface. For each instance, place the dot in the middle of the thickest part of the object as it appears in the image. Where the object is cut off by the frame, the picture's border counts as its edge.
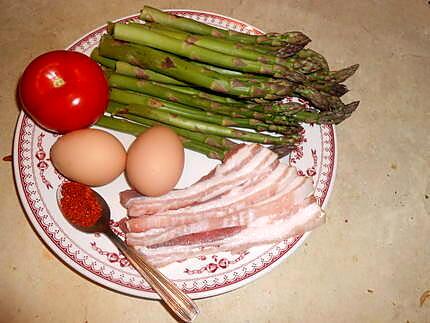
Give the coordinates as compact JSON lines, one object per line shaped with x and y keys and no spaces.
{"x":369,"y":263}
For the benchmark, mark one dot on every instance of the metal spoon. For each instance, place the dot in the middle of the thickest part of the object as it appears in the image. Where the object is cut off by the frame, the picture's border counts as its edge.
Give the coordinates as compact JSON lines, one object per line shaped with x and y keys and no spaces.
{"x":175,"y":299}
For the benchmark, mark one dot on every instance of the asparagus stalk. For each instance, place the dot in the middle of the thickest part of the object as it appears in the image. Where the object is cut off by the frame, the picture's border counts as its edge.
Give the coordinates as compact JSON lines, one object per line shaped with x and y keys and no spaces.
{"x":269,"y":107}
{"x":201,"y":94}
{"x":297,"y":39}
{"x":327,"y":82}
{"x":209,"y":151}
{"x":262,"y":49}
{"x":107,"y":62}
{"x":277,"y":113}
{"x":282,"y":150}
{"x":136,"y":129}
{"x":200,"y":126}
{"x":211,"y":140}
{"x":129,"y":97}
{"x":327,"y":117}
{"x":134,"y":33}
{"x":279,"y":51}
{"x":180,"y":69}
{"x":299,"y":63}
{"x":235,"y":74}
{"x":313,"y":56}
{"x":146,"y":74}
{"x":329,"y":87}
{"x":332,"y":77}
{"x":319,"y":99}
{"x":132,"y":70}
{"x":154,"y":89}
{"x":288,"y":108}
{"x":292,"y":112}
{"x":297,"y":112}
{"x":273,"y":116}
{"x":121,"y":125}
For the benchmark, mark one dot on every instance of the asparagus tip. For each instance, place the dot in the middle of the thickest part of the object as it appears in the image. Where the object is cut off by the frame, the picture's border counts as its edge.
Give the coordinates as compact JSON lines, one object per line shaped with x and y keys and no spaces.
{"x":355,"y":67}
{"x":346,"y":73}
{"x":339,"y":90}
{"x":351,"y":107}
{"x":110,"y":27}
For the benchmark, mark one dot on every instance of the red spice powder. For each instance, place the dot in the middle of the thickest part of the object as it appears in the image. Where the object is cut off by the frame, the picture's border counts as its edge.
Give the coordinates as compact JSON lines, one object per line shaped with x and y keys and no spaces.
{"x":79,"y":204}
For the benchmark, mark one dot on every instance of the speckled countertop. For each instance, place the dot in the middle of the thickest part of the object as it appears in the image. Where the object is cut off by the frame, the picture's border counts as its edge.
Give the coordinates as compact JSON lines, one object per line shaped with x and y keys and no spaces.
{"x":369,"y":263}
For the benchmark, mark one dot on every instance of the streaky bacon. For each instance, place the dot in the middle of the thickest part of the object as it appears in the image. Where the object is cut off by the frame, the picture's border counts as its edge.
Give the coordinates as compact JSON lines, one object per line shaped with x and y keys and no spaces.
{"x":305,"y":220}
{"x":264,"y":213}
{"x":285,"y":201}
{"x":251,"y":199}
{"x":194,"y":238}
{"x":255,"y":189}
{"x":233,"y":172}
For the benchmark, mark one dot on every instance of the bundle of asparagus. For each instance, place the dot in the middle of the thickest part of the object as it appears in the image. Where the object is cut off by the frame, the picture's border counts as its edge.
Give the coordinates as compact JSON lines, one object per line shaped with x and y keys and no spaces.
{"x":212,"y":85}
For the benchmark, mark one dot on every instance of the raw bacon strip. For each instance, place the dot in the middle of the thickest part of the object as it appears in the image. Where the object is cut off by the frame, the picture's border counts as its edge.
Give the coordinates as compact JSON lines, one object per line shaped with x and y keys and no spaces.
{"x":306,"y":219}
{"x":285,"y":202}
{"x":240,"y":197}
{"x":289,"y":195}
{"x":194,"y":238}
{"x":215,"y":185}
{"x":242,"y":155}
{"x":221,"y":181}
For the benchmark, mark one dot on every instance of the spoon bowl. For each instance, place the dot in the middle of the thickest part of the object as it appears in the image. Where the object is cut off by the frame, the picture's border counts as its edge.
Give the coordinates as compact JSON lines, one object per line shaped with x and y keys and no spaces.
{"x":174,"y":298}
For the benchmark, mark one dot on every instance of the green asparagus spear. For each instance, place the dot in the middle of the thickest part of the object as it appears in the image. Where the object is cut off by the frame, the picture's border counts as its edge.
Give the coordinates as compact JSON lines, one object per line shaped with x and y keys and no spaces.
{"x":146,"y":74}
{"x":332,"y":77}
{"x":313,"y":56}
{"x":332,"y":89}
{"x":270,"y":114}
{"x":136,"y":129}
{"x":129,"y":97}
{"x":134,"y":33}
{"x":155,"y":89}
{"x":211,"y":140}
{"x":327,"y":117}
{"x":121,"y":125}
{"x":282,"y":150}
{"x":209,"y":151}
{"x":262,"y":49}
{"x":107,"y":62}
{"x":132,"y":70}
{"x":180,"y":69}
{"x":294,"y":38}
{"x":201,"y":94}
{"x":200,"y":126}
{"x":299,"y":64}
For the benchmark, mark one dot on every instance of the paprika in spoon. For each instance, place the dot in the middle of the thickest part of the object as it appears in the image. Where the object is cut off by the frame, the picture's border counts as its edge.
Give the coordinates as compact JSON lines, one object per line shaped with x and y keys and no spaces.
{"x":79,"y":204}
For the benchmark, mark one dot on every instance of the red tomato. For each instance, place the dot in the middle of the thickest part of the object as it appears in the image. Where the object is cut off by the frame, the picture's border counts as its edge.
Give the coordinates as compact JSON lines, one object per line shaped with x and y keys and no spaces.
{"x":64,"y":91}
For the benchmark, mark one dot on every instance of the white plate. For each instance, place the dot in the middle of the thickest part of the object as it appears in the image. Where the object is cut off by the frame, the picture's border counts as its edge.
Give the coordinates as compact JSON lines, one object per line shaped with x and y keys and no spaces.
{"x":97,"y":259}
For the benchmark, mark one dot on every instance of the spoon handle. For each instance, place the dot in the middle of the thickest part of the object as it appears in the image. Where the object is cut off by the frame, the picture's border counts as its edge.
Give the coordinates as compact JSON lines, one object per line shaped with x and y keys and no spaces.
{"x":180,"y":303}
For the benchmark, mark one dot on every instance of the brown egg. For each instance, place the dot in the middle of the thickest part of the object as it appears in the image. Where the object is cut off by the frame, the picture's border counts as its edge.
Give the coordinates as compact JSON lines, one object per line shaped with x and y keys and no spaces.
{"x":155,"y":161}
{"x":89,"y":156}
